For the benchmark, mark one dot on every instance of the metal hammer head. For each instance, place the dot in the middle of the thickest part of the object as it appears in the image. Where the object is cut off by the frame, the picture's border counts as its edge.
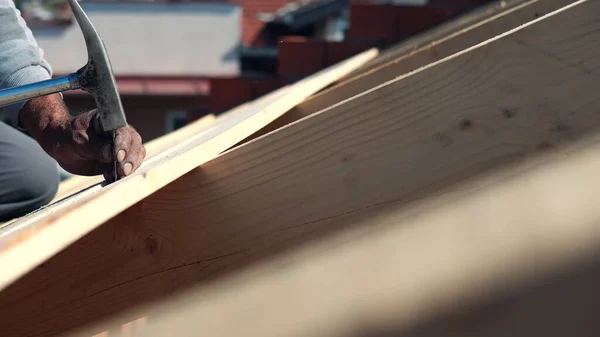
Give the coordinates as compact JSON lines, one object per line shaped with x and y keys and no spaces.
{"x":96,"y":77}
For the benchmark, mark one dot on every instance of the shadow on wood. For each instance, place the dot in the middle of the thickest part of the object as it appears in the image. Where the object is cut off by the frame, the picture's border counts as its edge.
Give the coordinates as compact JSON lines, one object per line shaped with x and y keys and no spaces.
{"x":519,"y":257}
{"x":527,"y":92}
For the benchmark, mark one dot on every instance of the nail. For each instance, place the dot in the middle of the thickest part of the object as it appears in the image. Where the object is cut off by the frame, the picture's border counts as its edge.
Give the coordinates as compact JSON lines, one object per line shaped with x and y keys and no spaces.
{"x":120,"y":155}
{"x":127,"y":168}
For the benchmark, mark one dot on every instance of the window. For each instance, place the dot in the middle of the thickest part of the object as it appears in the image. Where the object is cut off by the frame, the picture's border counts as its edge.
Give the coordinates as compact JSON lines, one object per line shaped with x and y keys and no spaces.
{"x":175,"y":120}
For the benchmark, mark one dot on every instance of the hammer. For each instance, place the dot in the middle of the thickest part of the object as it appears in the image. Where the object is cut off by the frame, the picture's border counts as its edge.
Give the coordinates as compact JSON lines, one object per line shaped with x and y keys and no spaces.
{"x":95,"y":77}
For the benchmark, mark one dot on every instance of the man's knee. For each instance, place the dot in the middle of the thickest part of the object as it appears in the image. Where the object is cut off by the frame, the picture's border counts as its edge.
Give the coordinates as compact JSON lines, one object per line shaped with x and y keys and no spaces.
{"x":40,"y":183}
{"x":29,"y":178}
{"x":31,"y":189}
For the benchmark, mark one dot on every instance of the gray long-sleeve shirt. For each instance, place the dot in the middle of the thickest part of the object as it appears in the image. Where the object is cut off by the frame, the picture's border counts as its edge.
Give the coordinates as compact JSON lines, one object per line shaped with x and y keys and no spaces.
{"x":21,"y":59}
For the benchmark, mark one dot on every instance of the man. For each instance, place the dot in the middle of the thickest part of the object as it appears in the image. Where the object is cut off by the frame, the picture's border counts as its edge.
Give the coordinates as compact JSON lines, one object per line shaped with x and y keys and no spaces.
{"x":29,"y":174}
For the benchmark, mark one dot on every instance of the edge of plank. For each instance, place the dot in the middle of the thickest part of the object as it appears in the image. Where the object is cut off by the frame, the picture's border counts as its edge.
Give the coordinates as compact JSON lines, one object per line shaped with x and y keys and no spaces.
{"x":442,"y":60}
{"x":153,"y":147}
{"x":452,"y":26}
{"x":427,"y":48}
{"x":34,"y":238}
{"x":458,"y":28}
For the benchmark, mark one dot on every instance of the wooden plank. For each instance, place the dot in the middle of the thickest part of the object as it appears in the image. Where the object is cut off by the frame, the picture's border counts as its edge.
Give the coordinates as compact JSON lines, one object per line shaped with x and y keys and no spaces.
{"x":512,"y":98}
{"x":519,"y":258}
{"x":161,"y":144}
{"x":153,"y":147}
{"x":465,"y":21}
{"x":31,"y":240}
{"x":458,"y":34}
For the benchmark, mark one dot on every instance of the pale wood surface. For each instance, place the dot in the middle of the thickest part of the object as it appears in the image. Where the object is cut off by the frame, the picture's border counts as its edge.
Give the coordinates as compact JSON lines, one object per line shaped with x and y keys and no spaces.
{"x":461,"y":33}
{"x":442,"y":31}
{"x":503,"y":101}
{"x":518,"y":258}
{"x":153,"y":147}
{"x":32,"y":239}
{"x":77,"y":184}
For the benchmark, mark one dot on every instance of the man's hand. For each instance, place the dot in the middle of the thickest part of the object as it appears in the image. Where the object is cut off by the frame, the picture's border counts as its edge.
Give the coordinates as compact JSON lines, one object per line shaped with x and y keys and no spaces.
{"x":78,"y":143}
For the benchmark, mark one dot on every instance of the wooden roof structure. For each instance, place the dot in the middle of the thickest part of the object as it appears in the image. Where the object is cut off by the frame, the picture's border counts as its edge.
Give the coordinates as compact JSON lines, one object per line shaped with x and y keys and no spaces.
{"x":443,"y":187}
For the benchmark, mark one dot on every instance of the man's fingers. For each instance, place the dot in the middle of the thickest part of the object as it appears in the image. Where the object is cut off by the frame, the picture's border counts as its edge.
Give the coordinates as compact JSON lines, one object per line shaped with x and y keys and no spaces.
{"x":106,"y":152}
{"x":97,"y":149}
{"x":121,"y":155}
{"x":129,"y":151}
{"x":122,"y":144}
{"x":88,"y":144}
{"x":100,"y":150}
{"x":89,"y":150}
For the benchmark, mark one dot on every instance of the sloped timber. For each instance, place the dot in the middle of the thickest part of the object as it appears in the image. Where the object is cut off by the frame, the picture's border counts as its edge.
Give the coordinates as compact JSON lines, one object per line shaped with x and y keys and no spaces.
{"x":458,"y":34}
{"x":526,"y":92}
{"x":516,"y":258}
{"x":454,"y":26}
{"x":153,"y":147}
{"x":32,"y":239}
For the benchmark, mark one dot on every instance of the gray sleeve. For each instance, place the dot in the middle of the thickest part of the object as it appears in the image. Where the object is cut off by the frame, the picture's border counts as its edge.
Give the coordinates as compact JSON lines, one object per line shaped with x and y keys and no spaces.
{"x":21,"y":59}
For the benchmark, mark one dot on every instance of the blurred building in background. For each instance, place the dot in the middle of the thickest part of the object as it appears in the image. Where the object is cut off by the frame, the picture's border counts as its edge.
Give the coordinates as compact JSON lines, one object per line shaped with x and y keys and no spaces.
{"x":163,"y":54}
{"x":177,"y":60}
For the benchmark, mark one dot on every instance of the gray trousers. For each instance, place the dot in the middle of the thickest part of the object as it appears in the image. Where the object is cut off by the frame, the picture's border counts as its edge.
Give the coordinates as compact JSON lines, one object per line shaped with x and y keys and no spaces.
{"x":29,"y":177}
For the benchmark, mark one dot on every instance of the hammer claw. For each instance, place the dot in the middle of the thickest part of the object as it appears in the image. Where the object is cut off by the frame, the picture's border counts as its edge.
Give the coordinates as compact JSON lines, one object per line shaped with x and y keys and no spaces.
{"x":96,"y":77}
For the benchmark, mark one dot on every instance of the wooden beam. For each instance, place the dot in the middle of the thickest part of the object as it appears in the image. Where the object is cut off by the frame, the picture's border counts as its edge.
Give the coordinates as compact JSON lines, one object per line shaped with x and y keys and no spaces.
{"x":26,"y":243}
{"x":453,"y":37}
{"x":526,"y":92}
{"x":520,"y":258}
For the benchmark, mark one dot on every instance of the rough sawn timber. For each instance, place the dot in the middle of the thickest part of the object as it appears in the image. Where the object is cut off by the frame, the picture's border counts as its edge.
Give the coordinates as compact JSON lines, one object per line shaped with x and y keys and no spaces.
{"x":456,"y":35}
{"x":528,"y":91}
{"x":31,"y":240}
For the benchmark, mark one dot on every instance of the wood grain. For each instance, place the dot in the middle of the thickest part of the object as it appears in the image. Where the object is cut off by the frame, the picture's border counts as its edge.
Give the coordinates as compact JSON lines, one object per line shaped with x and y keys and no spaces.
{"x":520,"y":258}
{"x":26,"y":243}
{"x":452,"y":27}
{"x":459,"y":34}
{"x":527,"y":92}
